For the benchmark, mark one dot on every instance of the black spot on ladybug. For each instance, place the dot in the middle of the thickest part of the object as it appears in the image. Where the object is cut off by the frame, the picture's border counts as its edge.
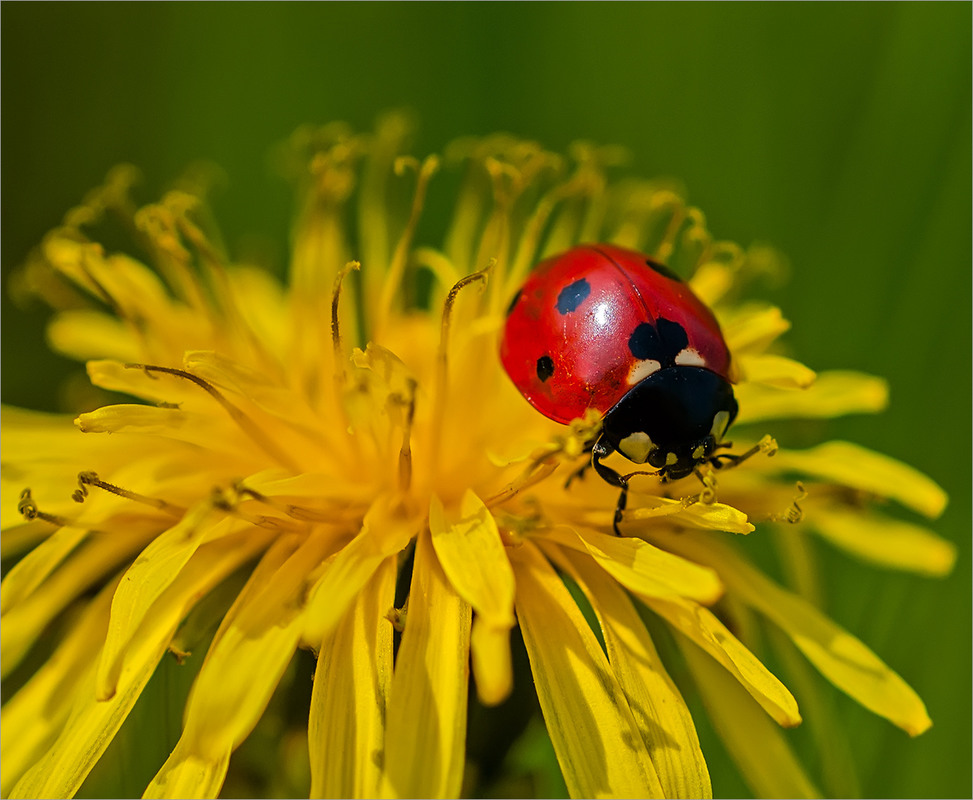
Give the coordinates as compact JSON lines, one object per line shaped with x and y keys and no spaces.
{"x":513,"y":303}
{"x":572,"y":296}
{"x":661,"y":342}
{"x":545,"y":368}
{"x":663,"y":270}
{"x":644,"y":342}
{"x":673,"y":335}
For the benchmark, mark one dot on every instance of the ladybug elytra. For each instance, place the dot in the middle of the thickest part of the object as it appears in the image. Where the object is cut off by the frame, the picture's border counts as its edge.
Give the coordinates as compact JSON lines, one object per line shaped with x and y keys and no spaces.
{"x":605,"y":328}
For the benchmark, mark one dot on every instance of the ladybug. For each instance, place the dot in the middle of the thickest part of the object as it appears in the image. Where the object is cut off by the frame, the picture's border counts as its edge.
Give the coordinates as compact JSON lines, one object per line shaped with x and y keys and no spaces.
{"x":605,"y":328}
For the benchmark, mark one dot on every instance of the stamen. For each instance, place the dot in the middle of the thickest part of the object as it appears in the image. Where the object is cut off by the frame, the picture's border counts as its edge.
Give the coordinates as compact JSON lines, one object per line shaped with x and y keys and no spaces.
{"x":663,"y":250}
{"x":526,"y":254}
{"x":767,"y":445}
{"x":442,"y":361}
{"x":393,"y":278}
{"x":28,"y":508}
{"x":405,"y":451}
{"x":291,"y":510}
{"x":114,"y":195}
{"x":535,"y":472}
{"x":397,"y":616}
{"x":794,"y":513}
{"x":158,"y":224}
{"x":339,"y":357}
{"x":227,"y":500}
{"x":242,"y":420}
{"x":462,"y":283}
{"x":708,"y":495}
{"x":181,"y":204}
{"x":86,"y":479}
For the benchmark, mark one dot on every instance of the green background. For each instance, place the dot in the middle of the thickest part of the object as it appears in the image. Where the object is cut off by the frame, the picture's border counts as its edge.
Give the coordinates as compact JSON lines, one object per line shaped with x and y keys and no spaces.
{"x":838,"y":132}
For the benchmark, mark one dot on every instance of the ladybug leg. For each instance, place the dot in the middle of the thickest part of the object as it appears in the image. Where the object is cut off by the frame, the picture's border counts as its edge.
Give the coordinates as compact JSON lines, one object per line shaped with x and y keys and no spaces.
{"x":599,"y":451}
{"x":579,"y":473}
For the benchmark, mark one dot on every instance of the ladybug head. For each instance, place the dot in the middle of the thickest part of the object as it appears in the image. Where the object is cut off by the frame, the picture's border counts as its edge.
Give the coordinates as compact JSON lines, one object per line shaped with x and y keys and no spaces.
{"x":673,"y":419}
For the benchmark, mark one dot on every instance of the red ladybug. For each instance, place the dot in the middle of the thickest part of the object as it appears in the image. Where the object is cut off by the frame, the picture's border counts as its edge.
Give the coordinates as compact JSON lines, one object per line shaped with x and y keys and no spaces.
{"x":610,"y":329}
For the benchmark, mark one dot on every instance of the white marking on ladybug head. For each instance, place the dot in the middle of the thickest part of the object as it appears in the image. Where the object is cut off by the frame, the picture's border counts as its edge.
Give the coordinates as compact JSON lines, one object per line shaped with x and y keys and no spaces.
{"x":636,"y":447}
{"x":690,"y":357}
{"x":699,"y":452}
{"x":671,"y":459}
{"x":720,"y":423}
{"x":641,"y":370}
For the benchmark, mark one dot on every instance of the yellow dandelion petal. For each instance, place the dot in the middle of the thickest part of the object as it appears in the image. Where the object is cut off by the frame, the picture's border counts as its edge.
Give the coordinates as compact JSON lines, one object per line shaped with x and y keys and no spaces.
{"x":384,"y":533}
{"x":711,"y":281}
{"x":700,"y":626}
{"x":774,"y":370}
{"x":839,"y":656}
{"x":157,"y":567}
{"x":427,"y":713}
{"x":20,"y":538}
{"x":759,"y":748}
{"x":118,"y":376}
{"x":706,"y":516}
{"x":751,"y":329}
{"x":491,"y":661}
{"x":471,"y":553}
{"x":885,"y":542}
{"x":250,"y":651}
{"x":349,"y":699}
{"x":187,"y":774}
{"x":31,"y":571}
{"x":175,"y":424}
{"x":252,"y":647}
{"x":854,"y":466}
{"x":595,"y":736}
{"x":833,"y":394}
{"x":34,"y":716}
{"x":93,"y":723}
{"x":641,"y":567}
{"x":656,"y":704}
{"x":85,"y":334}
{"x":26,"y":621}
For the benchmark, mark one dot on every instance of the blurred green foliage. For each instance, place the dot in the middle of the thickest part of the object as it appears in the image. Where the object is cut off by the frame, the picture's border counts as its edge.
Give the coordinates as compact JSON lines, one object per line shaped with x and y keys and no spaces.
{"x":841,"y":133}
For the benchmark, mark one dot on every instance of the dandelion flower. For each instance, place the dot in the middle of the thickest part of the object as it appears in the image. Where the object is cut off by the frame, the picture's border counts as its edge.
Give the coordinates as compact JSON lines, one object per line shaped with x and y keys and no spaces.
{"x":353,"y":431}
